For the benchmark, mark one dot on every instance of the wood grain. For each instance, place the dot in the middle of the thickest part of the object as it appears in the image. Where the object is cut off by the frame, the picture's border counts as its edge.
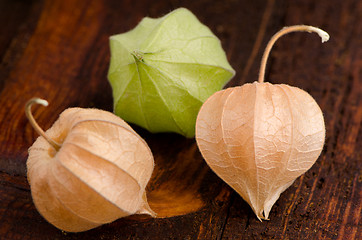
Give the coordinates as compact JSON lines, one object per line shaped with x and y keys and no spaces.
{"x":58,"y":50}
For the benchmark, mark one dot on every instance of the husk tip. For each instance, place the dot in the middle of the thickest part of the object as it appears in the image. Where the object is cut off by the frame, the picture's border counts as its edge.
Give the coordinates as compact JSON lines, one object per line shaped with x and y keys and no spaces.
{"x":146,"y":209}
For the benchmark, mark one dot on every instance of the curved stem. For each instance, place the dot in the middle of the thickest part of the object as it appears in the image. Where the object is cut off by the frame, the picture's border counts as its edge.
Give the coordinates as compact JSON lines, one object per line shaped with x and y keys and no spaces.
{"x":35,"y":125}
{"x":296,"y":28}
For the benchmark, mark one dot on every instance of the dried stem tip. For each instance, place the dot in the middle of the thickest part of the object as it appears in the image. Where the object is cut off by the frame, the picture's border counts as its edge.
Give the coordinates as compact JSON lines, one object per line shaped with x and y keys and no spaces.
{"x":35,"y":125}
{"x":297,"y":28}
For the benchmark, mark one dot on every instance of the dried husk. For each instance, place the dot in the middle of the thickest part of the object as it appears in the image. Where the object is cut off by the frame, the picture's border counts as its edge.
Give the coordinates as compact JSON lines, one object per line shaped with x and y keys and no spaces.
{"x":259,"y":138}
{"x":98,"y":175}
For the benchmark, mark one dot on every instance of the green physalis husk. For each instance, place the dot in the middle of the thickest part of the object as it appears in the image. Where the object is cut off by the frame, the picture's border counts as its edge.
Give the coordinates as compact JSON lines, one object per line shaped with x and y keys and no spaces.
{"x":164,"y":69}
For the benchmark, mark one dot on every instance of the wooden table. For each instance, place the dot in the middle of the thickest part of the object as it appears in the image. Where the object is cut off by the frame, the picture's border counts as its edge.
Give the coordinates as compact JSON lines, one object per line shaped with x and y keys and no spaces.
{"x":58,"y":50}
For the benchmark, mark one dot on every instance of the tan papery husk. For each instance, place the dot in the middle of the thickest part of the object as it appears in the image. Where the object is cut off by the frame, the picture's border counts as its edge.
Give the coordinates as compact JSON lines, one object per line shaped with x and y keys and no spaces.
{"x":259,"y":138}
{"x":98,"y":175}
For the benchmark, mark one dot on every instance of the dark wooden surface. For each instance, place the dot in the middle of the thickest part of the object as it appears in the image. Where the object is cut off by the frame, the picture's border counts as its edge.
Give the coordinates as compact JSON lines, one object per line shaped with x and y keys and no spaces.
{"x":58,"y":50}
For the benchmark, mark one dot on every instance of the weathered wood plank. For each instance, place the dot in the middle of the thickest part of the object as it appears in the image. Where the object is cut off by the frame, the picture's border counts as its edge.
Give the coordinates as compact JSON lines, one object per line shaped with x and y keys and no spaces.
{"x":325,"y":203}
{"x":58,"y":50}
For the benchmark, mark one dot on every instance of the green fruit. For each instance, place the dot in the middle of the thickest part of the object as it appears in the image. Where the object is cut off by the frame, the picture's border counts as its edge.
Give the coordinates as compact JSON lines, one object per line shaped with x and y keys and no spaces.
{"x":164,"y":69}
